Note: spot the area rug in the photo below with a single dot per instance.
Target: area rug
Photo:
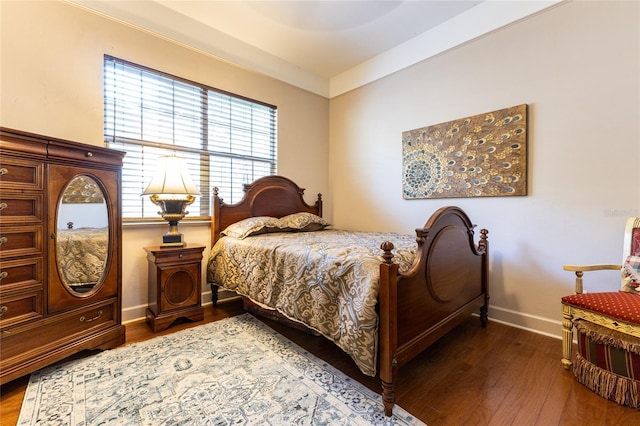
(236, 371)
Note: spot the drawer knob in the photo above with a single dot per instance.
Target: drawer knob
(3, 206)
(3, 240)
(89, 154)
(3, 310)
(83, 319)
(3, 171)
(3, 274)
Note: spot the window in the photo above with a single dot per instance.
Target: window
(226, 140)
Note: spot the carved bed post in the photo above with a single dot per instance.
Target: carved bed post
(215, 229)
(319, 204)
(388, 299)
(483, 245)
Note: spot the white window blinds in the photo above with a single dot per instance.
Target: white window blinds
(226, 140)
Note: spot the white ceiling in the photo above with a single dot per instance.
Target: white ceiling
(322, 37)
(327, 47)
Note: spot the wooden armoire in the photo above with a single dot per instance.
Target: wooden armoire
(60, 250)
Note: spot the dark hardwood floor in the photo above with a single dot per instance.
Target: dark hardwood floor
(473, 376)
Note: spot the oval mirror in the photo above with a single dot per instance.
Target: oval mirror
(82, 237)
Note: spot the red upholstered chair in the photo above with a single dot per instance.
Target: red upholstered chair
(608, 328)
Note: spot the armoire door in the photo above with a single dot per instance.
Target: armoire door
(82, 239)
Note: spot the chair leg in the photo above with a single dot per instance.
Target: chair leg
(567, 336)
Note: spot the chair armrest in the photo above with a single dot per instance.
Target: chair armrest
(580, 269)
(596, 267)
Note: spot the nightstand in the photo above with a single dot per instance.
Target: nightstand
(175, 288)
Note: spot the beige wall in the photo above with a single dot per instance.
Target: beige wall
(577, 67)
(51, 84)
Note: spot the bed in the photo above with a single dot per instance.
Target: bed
(383, 298)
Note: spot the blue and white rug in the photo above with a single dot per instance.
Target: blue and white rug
(236, 371)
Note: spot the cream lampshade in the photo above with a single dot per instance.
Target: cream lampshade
(172, 190)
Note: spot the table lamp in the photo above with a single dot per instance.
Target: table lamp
(172, 190)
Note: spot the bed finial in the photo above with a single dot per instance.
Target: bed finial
(318, 204)
(387, 246)
(482, 244)
(216, 193)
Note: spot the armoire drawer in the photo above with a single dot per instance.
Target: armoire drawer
(21, 174)
(20, 241)
(20, 208)
(17, 308)
(21, 273)
(57, 330)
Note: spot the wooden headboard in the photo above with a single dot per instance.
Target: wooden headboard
(275, 196)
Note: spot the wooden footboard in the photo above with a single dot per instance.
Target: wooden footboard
(447, 282)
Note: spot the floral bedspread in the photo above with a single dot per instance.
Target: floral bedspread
(82, 254)
(328, 280)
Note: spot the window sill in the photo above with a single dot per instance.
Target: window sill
(126, 223)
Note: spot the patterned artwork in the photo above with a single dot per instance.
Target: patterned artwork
(82, 255)
(235, 371)
(82, 189)
(480, 156)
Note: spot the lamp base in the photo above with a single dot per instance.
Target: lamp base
(172, 240)
(172, 211)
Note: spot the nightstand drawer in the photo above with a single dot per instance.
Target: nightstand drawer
(20, 241)
(171, 256)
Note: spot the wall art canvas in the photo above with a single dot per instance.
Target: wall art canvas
(82, 189)
(480, 156)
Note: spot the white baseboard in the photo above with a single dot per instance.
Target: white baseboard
(533, 323)
(138, 313)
